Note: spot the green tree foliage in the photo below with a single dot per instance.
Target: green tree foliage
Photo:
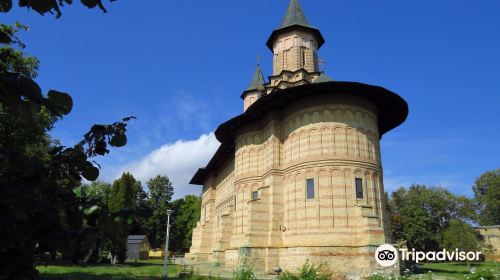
(122, 198)
(487, 198)
(185, 216)
(49, 6)
(462, 236)
(123, 193)
(426, 212)
(396, 221)
(99, 191)
(40, 208)
(160, 195)
(142, 213)
(13, 59)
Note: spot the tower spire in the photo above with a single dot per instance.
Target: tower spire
(295, 19)
(294, 15)
(254, 90)
(257, 82)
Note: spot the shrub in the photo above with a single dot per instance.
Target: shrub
(482, 274)
(376, 276)
(307, 272)
(288, 276)
(406, 275)
(244, 273)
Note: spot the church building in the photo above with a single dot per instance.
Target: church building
(298, 175)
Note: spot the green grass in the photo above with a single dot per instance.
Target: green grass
(141, 270)
(152, 270)
(458, 270)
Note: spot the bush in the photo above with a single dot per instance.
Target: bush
(482, 274)
(244, 273)
(376, 276)
(307, 272)
(288, 276)
(406, 275)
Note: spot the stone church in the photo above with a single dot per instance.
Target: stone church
(298, 175)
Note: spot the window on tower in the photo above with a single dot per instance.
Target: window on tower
(310, 188)
(255, 194)
(359, 188)
(303, 57)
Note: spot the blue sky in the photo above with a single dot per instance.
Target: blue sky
(180, 67)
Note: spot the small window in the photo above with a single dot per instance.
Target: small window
(359, 188)
(303, 58)
(255, 194)
(205, 213)
(310, 188)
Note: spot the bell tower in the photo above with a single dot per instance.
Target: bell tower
(254, 90)
(295, 47)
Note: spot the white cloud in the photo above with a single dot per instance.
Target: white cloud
(179, 161)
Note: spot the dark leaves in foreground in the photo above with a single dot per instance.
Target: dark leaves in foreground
(49, 6)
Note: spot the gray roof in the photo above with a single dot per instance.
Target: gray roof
(487, 227)
(257, 82)
(294, 15)
(295, 19)
(322, 78)
(136, 237)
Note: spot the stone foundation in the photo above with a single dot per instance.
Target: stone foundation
(346, 262)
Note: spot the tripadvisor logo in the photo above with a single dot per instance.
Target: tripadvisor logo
(386, 255)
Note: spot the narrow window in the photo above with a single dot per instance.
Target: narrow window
(205, 212)
(303, 58)
(359, 188)
(255, 194)
(310, 188)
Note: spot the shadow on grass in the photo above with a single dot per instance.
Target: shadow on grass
(88, 276)
(140, 264)
(126, 264)
(471, 264)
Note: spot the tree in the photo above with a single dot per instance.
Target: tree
(49, 6)
(185, 216)
(487, 198)
(100, 191)
(160, 195)
(426, 212)
(462, 236)
(142, 213)
(39, 179)
(122, 198)
(459, 235)
(124, 193)
(13, 59)
(396, 219)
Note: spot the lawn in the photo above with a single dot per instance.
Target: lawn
(458, 270)
(152, 270)
(143, 270)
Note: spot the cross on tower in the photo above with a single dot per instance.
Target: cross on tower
(321, 64)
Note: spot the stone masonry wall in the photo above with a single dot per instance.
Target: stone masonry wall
(258, 211)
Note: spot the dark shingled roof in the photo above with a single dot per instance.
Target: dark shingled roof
(257, 83)
(295, 19)
(294, 15)
(257, 80)
(392, 111)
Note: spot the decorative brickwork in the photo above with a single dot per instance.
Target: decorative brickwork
(299, 179)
